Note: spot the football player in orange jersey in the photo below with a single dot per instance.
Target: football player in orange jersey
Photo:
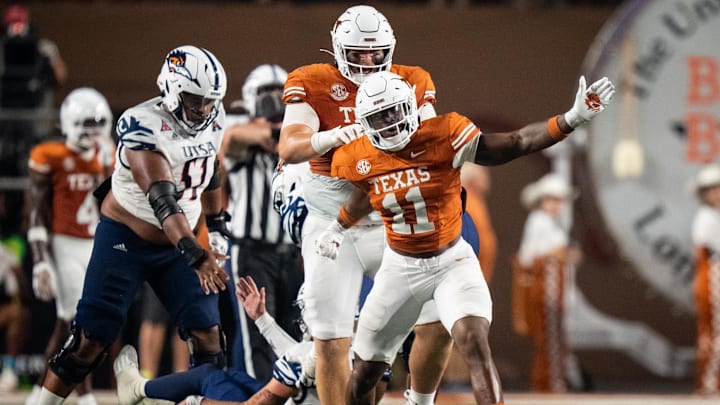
(64, 212)
(319, 117)
(706, 240)
(409, 172)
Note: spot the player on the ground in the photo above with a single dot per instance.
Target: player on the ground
(409, 172)
(165, 177)
(232, 386)
(292, 381)
(64, 213)
(319, 117)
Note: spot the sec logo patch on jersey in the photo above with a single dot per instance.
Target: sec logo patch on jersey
(339, 92)
(363, 167)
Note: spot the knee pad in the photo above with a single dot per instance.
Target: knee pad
(67, 367)
(200, 356)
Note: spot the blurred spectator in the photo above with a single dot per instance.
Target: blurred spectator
(706, 239)
(31, 68)
(260, 247)
(544, 261)
(14, 304)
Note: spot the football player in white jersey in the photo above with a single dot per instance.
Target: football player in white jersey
(165, 176)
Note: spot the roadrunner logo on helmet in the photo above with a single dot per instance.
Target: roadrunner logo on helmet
(387, 109)
(192, 82)
(362, 29)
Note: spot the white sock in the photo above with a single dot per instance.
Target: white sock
(87, 399)
(33, 397)
(421, 399)
(48, 398)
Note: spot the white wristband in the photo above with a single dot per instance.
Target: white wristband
(264, 321)
(37, 234)
(336, 226)
(574, 119)
(322, 141)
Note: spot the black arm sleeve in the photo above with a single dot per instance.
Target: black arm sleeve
(163, 199)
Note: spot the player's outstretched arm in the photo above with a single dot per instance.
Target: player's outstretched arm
(253, 300)
(498, 148)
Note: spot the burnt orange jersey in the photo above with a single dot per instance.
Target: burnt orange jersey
(416, 190)
(332, 96)
(74, 209)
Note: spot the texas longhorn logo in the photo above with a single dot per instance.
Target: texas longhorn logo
(592, 101)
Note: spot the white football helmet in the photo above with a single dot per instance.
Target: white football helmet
(189, 70)
(263, 80)
(386, 107)
(85, 117)
(362, 28)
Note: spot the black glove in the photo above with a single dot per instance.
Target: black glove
(219, 223)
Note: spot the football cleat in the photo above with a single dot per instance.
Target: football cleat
(130, 384)
(408, 401)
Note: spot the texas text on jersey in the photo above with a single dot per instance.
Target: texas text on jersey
(74, 210)
(417, 189)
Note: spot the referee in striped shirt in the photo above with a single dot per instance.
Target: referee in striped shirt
(260, 247)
